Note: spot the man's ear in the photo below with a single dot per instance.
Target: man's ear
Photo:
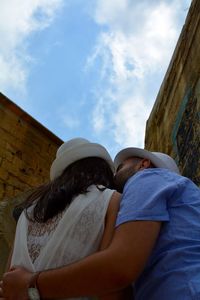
(145, 164)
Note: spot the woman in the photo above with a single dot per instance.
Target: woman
(72, 216)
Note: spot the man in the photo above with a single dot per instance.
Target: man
(156, 243)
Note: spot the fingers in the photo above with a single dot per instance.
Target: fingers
(1, 289)
(14, 268)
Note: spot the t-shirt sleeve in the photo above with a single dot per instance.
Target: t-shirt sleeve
(145, 197)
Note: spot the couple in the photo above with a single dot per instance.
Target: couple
(153, 241)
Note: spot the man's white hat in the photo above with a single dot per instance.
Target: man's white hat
(76, 149)
(158, 159)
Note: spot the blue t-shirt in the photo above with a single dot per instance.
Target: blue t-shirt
(173, 268)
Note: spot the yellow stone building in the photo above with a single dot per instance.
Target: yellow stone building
(174, 123)
(26, 152)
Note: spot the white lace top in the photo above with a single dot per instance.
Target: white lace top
(39, 235)
(66, 238)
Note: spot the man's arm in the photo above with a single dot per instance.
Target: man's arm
(104, 272)
(111, 216)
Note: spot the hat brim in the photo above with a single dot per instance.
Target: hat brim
(76, 153)
(137, 152)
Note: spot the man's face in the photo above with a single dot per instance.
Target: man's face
(128, 168)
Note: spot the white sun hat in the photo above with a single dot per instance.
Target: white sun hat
(158, 159)
(76, 149)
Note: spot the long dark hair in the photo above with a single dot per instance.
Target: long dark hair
(52, 198)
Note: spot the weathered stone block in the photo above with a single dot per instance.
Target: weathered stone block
(174, 124)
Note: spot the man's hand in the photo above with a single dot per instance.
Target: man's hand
(15, 284)
(1, 290)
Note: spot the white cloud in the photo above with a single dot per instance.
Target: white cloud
(129, 120)
(98, 116)
(18, 19)
(67, 116)
(70, 122)
(136, 47)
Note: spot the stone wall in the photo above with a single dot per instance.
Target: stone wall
(26, 152)
(174, 124)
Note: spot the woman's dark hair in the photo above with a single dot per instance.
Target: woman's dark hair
(52, 198)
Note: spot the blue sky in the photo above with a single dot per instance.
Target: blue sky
(88, 68)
